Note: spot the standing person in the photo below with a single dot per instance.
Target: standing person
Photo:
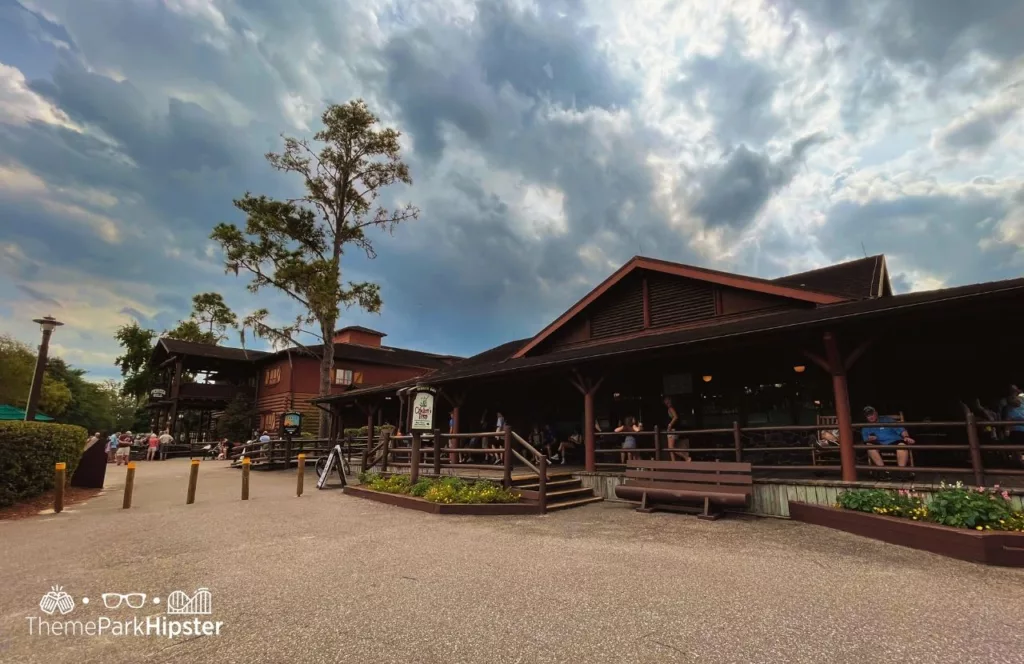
(486, 442)
(112, 445)
(264, 437)
(673, 439)
(124, 448)
(154, 447)
(629, 426)
(165, 440)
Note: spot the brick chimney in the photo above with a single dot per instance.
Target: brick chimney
(358, 336)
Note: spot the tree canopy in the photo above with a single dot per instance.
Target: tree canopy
(295, 246)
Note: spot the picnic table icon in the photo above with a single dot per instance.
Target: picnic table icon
(198, 604)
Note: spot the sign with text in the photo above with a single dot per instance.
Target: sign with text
(157, 393)
(291, 423)
(423, 410)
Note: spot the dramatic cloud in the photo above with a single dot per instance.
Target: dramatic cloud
(548, 142)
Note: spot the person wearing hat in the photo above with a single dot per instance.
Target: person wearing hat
(885, 436)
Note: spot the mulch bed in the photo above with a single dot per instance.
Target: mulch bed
(33, 506)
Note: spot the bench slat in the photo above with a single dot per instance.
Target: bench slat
(711, 479)
(721, 466)
(636, 493)
(689, 487)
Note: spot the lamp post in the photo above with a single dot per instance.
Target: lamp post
(47, 324)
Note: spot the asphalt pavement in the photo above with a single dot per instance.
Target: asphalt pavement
(330, 578)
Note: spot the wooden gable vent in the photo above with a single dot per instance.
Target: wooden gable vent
(619, 311)
(674, 300)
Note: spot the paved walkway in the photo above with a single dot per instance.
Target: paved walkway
(328, 578)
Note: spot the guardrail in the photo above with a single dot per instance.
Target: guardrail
(742, 445)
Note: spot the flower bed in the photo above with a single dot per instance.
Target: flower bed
(445, 495)
(971, 524)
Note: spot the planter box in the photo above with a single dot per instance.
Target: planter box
(991, 548)
(414, 503)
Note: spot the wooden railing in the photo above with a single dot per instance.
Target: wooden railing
(409, 450)
(741, 446)
(281, 451)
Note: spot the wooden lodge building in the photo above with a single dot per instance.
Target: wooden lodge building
(204, 379)
(742, 358)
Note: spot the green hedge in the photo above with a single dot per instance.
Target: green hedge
(361, 431)
(28, 453)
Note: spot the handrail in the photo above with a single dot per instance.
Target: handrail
(525, 461)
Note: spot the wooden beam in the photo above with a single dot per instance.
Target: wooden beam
(817, 359)
(596, 386)
(852, 358)
(168, 362)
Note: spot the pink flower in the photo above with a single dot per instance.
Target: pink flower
(995, 486)
(1006, 495)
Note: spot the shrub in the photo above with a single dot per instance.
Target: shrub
(441, 490)
(28, 452)
(961, 507)
(956, 506)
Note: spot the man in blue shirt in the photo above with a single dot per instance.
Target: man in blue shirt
(885, 436)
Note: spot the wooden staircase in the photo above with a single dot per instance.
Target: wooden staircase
(563, 490)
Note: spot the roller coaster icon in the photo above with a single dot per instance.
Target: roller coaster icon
(199, 604)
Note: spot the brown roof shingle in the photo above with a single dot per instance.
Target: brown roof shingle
(859, 278)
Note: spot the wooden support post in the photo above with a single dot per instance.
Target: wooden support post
(246, 465)
(366, 460)
(287, 451)
(414, 467)
(369, 426)
(300, 475)
(385, 450)
(438, 444)
(588, 388)
(542, 484)
(507, 478)
(737, 441)
(129, 486)
(59, 476)
(453, 457)
(972, 442)
(175, 388)
(193, 479)
(844, 419)
(657, 443)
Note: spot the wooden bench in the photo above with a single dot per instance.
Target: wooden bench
(665, 483)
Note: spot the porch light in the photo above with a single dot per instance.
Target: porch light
(706, 379)
(799, 368)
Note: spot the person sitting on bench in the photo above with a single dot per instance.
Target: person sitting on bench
(885, 436)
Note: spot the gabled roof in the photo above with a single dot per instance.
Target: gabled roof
(690, 272)
(399, 357)
(360, 328)
(861, 278)
(178, 347)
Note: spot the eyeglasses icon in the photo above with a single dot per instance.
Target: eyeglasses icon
(133, 600)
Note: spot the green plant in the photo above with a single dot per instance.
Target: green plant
(28, 454)
(961, 507)
(441, 490)
(956, 506)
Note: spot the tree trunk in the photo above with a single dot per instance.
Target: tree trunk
(326, 368)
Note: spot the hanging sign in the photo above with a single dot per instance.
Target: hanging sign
(423, 409)
(157, 393)
(291, 423)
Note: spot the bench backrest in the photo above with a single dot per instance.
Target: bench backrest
(724, 477)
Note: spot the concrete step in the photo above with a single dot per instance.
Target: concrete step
(552, 485)
(567, 495)
(574, 503)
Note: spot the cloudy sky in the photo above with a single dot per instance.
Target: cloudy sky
(549, 142)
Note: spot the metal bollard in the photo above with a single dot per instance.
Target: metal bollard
(246, 464)
(58, 484)
(129, 485)
(193, 479)
(302, 470)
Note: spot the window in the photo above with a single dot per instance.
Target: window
(272, 376)
(342, 376)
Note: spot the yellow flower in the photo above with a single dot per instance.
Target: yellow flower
(977, 528)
